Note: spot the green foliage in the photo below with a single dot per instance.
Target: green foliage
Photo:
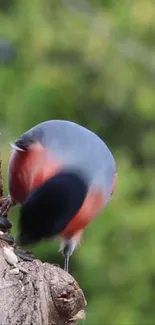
(92, 62)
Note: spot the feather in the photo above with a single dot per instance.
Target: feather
(15, 147)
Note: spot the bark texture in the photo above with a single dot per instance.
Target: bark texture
(36, 293)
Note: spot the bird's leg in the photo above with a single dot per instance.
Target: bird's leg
(67, 248)
(66, 262)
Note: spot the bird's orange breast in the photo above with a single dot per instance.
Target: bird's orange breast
(91, 207)
(28, 169)
(93, 204)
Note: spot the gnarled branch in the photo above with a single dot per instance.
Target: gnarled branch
(33, 292)
(37, 293)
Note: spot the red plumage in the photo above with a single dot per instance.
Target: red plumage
(37, 161)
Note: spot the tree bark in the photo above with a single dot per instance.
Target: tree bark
(36, 293)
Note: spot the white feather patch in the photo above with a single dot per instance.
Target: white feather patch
(71, 245)
(13, 146)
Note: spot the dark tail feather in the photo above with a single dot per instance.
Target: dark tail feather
(49, 208)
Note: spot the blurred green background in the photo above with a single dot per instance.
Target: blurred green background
(92, 62)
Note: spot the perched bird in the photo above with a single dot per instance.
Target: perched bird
(63, 175)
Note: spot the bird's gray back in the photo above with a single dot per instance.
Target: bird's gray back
(79, 148)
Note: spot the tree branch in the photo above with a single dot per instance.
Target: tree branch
(1, 179)
(33, 292)
(38, 293)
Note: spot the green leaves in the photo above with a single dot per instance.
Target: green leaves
(93, 62)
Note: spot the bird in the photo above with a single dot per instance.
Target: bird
(62, 175)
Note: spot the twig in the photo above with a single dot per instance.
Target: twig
(5, 204)
(1, 179)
